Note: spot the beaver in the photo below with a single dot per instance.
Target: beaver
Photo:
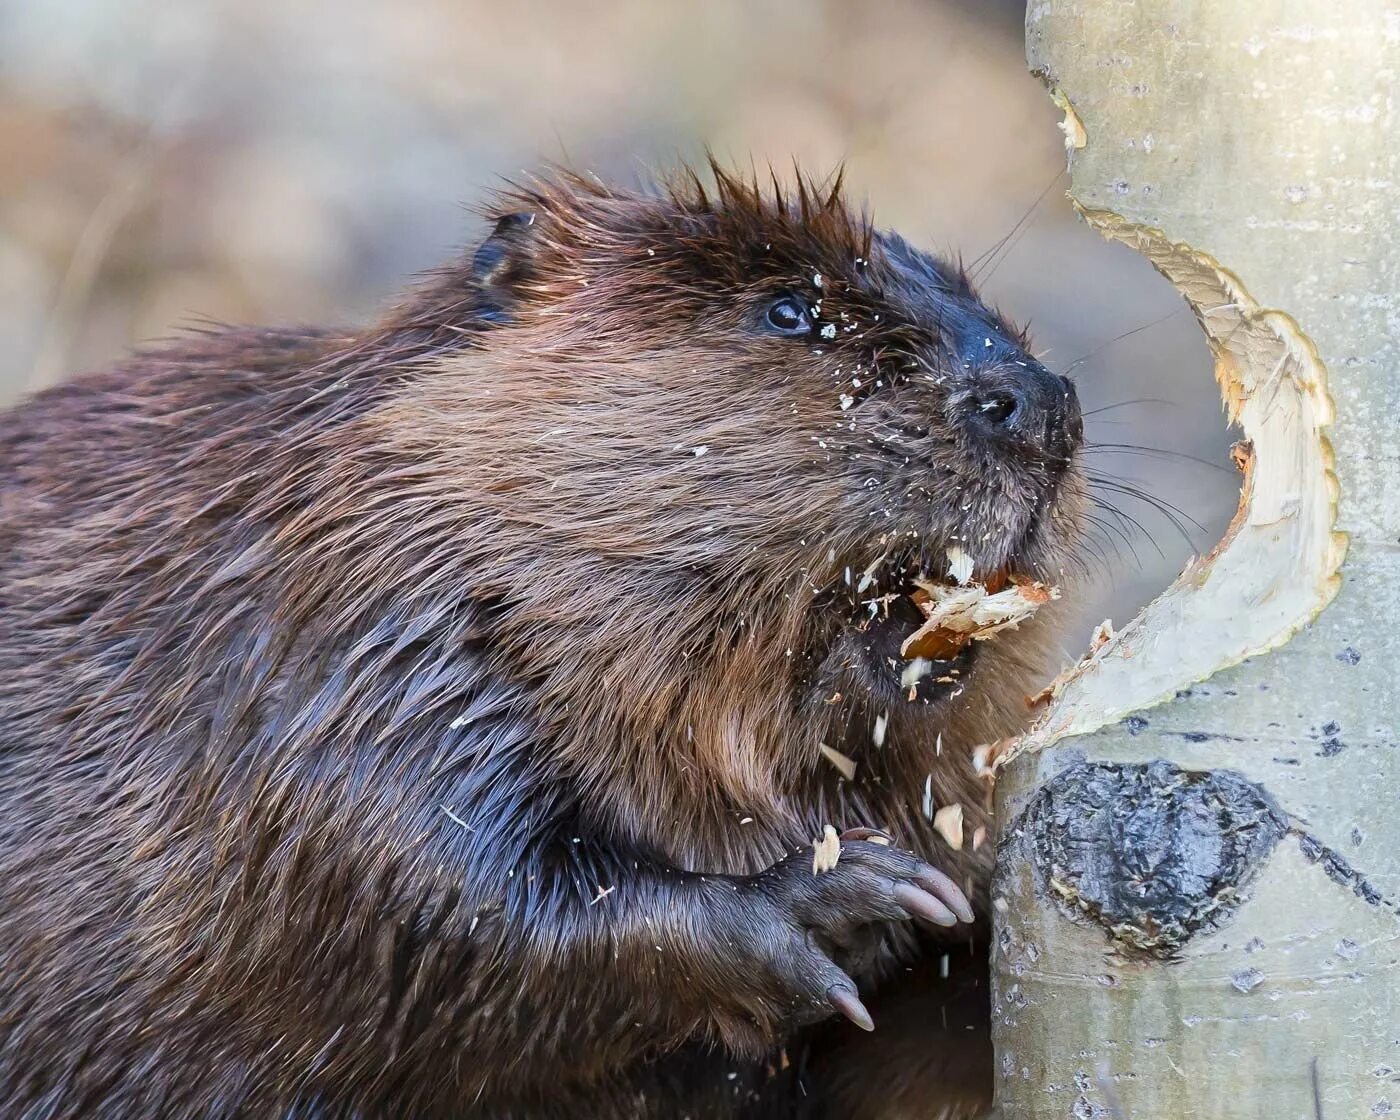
(434, 719)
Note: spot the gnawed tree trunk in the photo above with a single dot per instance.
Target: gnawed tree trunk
(1199, 868)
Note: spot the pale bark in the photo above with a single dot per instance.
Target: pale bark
(1199, 869)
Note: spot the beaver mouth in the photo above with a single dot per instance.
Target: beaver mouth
(875, 656)
(917, 636)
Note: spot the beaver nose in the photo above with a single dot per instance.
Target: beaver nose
(1027, 404)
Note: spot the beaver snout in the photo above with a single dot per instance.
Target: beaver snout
(1024, 404)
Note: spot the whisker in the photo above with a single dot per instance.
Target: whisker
(991, 253)
(1127, 519)
(1119, 533)
(1090, 544)
(1135, 491)
(1169, 512)
(1125, 404)
(1155, 452)
(1113, 341)
(1096, 532)
(1090, 557)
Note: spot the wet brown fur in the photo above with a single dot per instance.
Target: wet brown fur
(369, 700)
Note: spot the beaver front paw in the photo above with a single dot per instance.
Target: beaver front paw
(790, 925)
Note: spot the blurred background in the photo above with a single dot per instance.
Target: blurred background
(168, 161)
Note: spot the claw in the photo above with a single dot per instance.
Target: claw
(935, 882)
(921, 904)
(848, 1003)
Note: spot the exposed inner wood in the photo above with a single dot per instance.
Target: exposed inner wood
(1277, 566)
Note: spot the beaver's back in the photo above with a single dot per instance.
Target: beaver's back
(119, 492)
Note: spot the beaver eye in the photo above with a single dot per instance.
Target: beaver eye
(789, 316)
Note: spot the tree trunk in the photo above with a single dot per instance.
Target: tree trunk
(1199, 867)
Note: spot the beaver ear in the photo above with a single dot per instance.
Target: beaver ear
(501, 263)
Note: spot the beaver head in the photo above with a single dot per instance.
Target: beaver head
(729, 426)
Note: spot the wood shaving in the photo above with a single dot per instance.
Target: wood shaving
(979, 836)
(826, 851)
(877, 734)
(955, 616)
(917, 669)
(844, 763)
(1102, 635)
(959, 566)
(948, 822)
(1241, 455)
(987, 757)
(1062, 678)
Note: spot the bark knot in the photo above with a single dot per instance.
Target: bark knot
(1152, 853)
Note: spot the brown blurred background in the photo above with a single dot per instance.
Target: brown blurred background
(167, 161)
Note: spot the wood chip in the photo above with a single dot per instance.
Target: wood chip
(979, 836)
(913, 673)
(987, 757)
(1102, 635)
(1241, 455)
(955, 616)
(842, 762)
(826, 851)
(959, 566)
(948, 822)
(877, 734)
